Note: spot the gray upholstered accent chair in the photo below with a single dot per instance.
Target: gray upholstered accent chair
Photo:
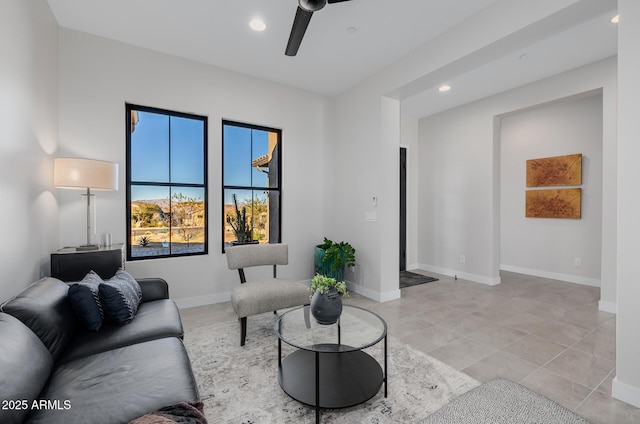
(272, 294)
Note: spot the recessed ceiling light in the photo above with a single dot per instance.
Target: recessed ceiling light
(257, 25)
(615, 19)
(444, 87)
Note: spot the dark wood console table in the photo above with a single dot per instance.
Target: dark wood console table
(67, 264)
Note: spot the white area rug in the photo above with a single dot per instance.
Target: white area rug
(239, 384)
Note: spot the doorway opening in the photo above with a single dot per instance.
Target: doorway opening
(403, 209)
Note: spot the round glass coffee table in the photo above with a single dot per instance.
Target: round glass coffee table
(330, 369)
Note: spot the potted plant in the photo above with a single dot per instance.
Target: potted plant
(331, 258)
(326, 305)
(240, 224)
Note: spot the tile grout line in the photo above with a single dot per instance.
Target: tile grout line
(563, 376)
(594, 390)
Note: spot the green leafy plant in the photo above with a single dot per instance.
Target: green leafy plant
(240, 223)
(144, 241)
(322, 284)
(341, 253)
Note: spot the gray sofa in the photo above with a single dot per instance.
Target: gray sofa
(54, 371)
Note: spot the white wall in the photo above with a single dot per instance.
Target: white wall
(542, 246)
(98, 76)
(364, 151)
(459, 186)
(355, 180)
(456, 194)
(28, 139)
(626, 385)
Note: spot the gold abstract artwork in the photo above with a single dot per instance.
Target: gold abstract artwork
(555, 171)
(557, 203)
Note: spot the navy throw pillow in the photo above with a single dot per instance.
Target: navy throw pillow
(85, 301)
(120, 296)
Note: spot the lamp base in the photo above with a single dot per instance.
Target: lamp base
(87, 247)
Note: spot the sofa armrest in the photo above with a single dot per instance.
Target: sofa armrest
(153, 289)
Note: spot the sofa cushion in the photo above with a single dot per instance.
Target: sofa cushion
(120, 297)
(26, 365)
(45, 309)
(154, 320)
(85, 301)
(120, 385)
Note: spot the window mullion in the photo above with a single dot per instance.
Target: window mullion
(170, 192)
(151, 133)
(256, 195)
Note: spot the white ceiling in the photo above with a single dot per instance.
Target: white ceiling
(217, 32)
(588, 42)
(330, 59)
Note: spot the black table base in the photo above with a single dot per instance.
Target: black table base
(344, 378)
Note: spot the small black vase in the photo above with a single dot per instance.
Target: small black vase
(326, 308)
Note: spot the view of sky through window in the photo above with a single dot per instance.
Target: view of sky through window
(166, 183)
(251, 167)
(242, 145)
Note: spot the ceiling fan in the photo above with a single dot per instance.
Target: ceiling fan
(301, 22)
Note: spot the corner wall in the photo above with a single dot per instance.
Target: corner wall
(626, 384)
(458, 187)
(28, 139)
(363, 158)
(548, 247)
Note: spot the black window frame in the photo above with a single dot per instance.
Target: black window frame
(129, 107)
(278, 131)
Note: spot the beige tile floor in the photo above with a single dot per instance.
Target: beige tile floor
(547, 335)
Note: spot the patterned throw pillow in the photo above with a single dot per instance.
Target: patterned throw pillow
(120, 296)
(85, 301)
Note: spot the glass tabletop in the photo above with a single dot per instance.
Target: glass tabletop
(356, 329)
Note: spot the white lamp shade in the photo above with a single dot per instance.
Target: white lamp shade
(81, 174)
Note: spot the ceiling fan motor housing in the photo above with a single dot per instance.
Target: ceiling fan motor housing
(312, 5)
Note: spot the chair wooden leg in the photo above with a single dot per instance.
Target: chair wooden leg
(243, 330)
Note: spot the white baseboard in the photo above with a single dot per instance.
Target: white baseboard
(191, 302)
(372, 294)
(413, 266)
(490, 281)
(625, 392)
(389, 295)
(593, 282)
(608, 307)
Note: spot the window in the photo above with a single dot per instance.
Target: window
(166, 183)
(251, 178)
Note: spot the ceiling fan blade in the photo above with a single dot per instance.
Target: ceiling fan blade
(300, 24)
(336, 1)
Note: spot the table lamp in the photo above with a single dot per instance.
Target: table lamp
(85, 174)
